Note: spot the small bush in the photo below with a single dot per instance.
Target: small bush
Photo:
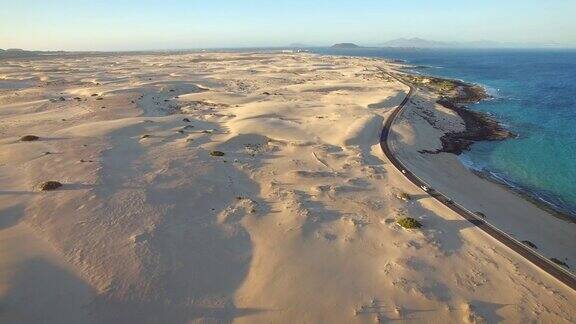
(49, 185)
(217, 153)
(409, 223)
(29, 138)
(145, 136)
(403, 196)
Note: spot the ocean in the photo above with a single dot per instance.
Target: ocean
(534, 95)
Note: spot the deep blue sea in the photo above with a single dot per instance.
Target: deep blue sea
(534, 96)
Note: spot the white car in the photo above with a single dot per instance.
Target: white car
(424, 188)
(403, 171)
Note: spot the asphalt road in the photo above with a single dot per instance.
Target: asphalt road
(528, 253)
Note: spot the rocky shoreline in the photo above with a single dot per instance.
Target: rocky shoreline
(455, 95)
(478, 127)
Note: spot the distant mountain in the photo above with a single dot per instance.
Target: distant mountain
(17, 52)
(345, 45)
(416, 42)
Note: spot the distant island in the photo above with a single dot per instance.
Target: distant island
(425, 43)
(16, 52)
(345, 45)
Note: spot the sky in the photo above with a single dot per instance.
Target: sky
(173, 24)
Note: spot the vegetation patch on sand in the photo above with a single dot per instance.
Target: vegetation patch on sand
(403, 196)
(49, 185)
(409, 223)
(217, 153)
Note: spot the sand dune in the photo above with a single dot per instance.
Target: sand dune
(295, 222)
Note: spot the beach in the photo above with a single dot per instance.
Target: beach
(432, 116)
(250, 187)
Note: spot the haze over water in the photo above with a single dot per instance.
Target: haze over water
(534, 96)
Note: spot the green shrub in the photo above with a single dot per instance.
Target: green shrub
(49, 185)
(409, 223)
(403, 196)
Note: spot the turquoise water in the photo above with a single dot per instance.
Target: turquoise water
(534, 96)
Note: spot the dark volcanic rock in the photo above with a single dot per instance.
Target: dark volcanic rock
(478, 126)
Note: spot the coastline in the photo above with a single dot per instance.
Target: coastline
(527, 195)
(456, 95)
(421, 143)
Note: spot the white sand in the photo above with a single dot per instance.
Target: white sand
(294, 224)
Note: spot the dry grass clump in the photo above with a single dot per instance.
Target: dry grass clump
(49, 185)
(409, 223)
(29, 138)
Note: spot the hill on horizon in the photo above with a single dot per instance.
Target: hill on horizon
(345, 45)
(416, 42)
